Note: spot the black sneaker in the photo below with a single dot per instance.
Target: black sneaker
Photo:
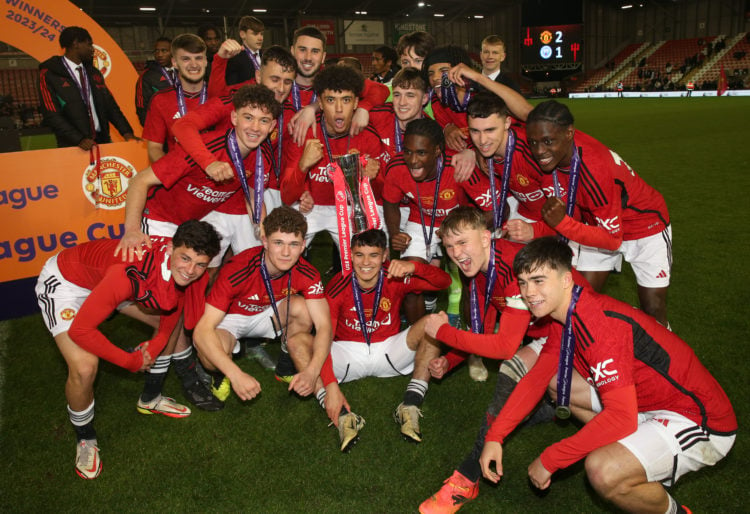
(199, 395)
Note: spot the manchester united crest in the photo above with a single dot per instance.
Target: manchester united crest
(447, 194)
(522, 180)
(107, 185)
(102, 60)
(385, 304)
(67, 314)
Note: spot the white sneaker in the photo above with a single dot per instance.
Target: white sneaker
(477, 371)
(88, 463)
(163, 405)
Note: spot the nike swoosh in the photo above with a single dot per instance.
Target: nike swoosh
(95, 464)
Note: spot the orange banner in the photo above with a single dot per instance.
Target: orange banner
(54, 199)
(34, 27)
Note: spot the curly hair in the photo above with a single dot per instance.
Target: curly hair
(339, 78)
(256, 95)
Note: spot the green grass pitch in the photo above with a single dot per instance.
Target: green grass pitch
(276, 454)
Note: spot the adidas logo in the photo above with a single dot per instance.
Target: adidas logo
(662, 274)
(254, 297)
(176, 116)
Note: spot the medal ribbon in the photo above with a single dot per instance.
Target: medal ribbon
(498, 206)
(279, 145)
(477, 318)
(570, 205)
(565, 366)
(269, 289)
(359, 304)
(297, 99)
(428, 237)
(181, 106)
(256, 200)
(449, 96)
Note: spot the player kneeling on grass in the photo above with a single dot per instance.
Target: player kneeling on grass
(367, 342)
(265, 291)
(81, 286)
(653, 411)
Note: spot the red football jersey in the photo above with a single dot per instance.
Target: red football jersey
(387, 322)
(239, 288)
(524, 182)
(163, 111)
(399, 184)
(383, 120)
(618, 347)
(294, 182)
(186, 191)
(610, 195)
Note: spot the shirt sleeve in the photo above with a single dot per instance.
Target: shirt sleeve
(524, 397)
(589, 235)
(114, 289)
(427, 277)
(292, 178)
(618, 418)
(217, 81)
(373, 94)
(188, 128)
(503, 345)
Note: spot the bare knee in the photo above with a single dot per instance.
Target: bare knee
(82, 373)
(606, 475)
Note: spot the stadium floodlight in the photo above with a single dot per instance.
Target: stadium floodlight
(147, 9)
(627, 6)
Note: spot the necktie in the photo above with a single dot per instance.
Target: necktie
(86, 98)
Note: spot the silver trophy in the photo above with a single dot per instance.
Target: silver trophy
(352, 169)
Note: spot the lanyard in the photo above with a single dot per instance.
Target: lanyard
(169, 75)
(498, 207)
(269, 289)
(253, 58)
(570, 204)
(450, 97)
(279, 145)
(359, 304)
(239, 167)
(428, 237)
(565, 366)
(297, 100)
(328, 143)
(181, 105)
(477, 318)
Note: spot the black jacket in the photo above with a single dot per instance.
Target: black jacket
(151, 81)
(239, 68)
(64, 110)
